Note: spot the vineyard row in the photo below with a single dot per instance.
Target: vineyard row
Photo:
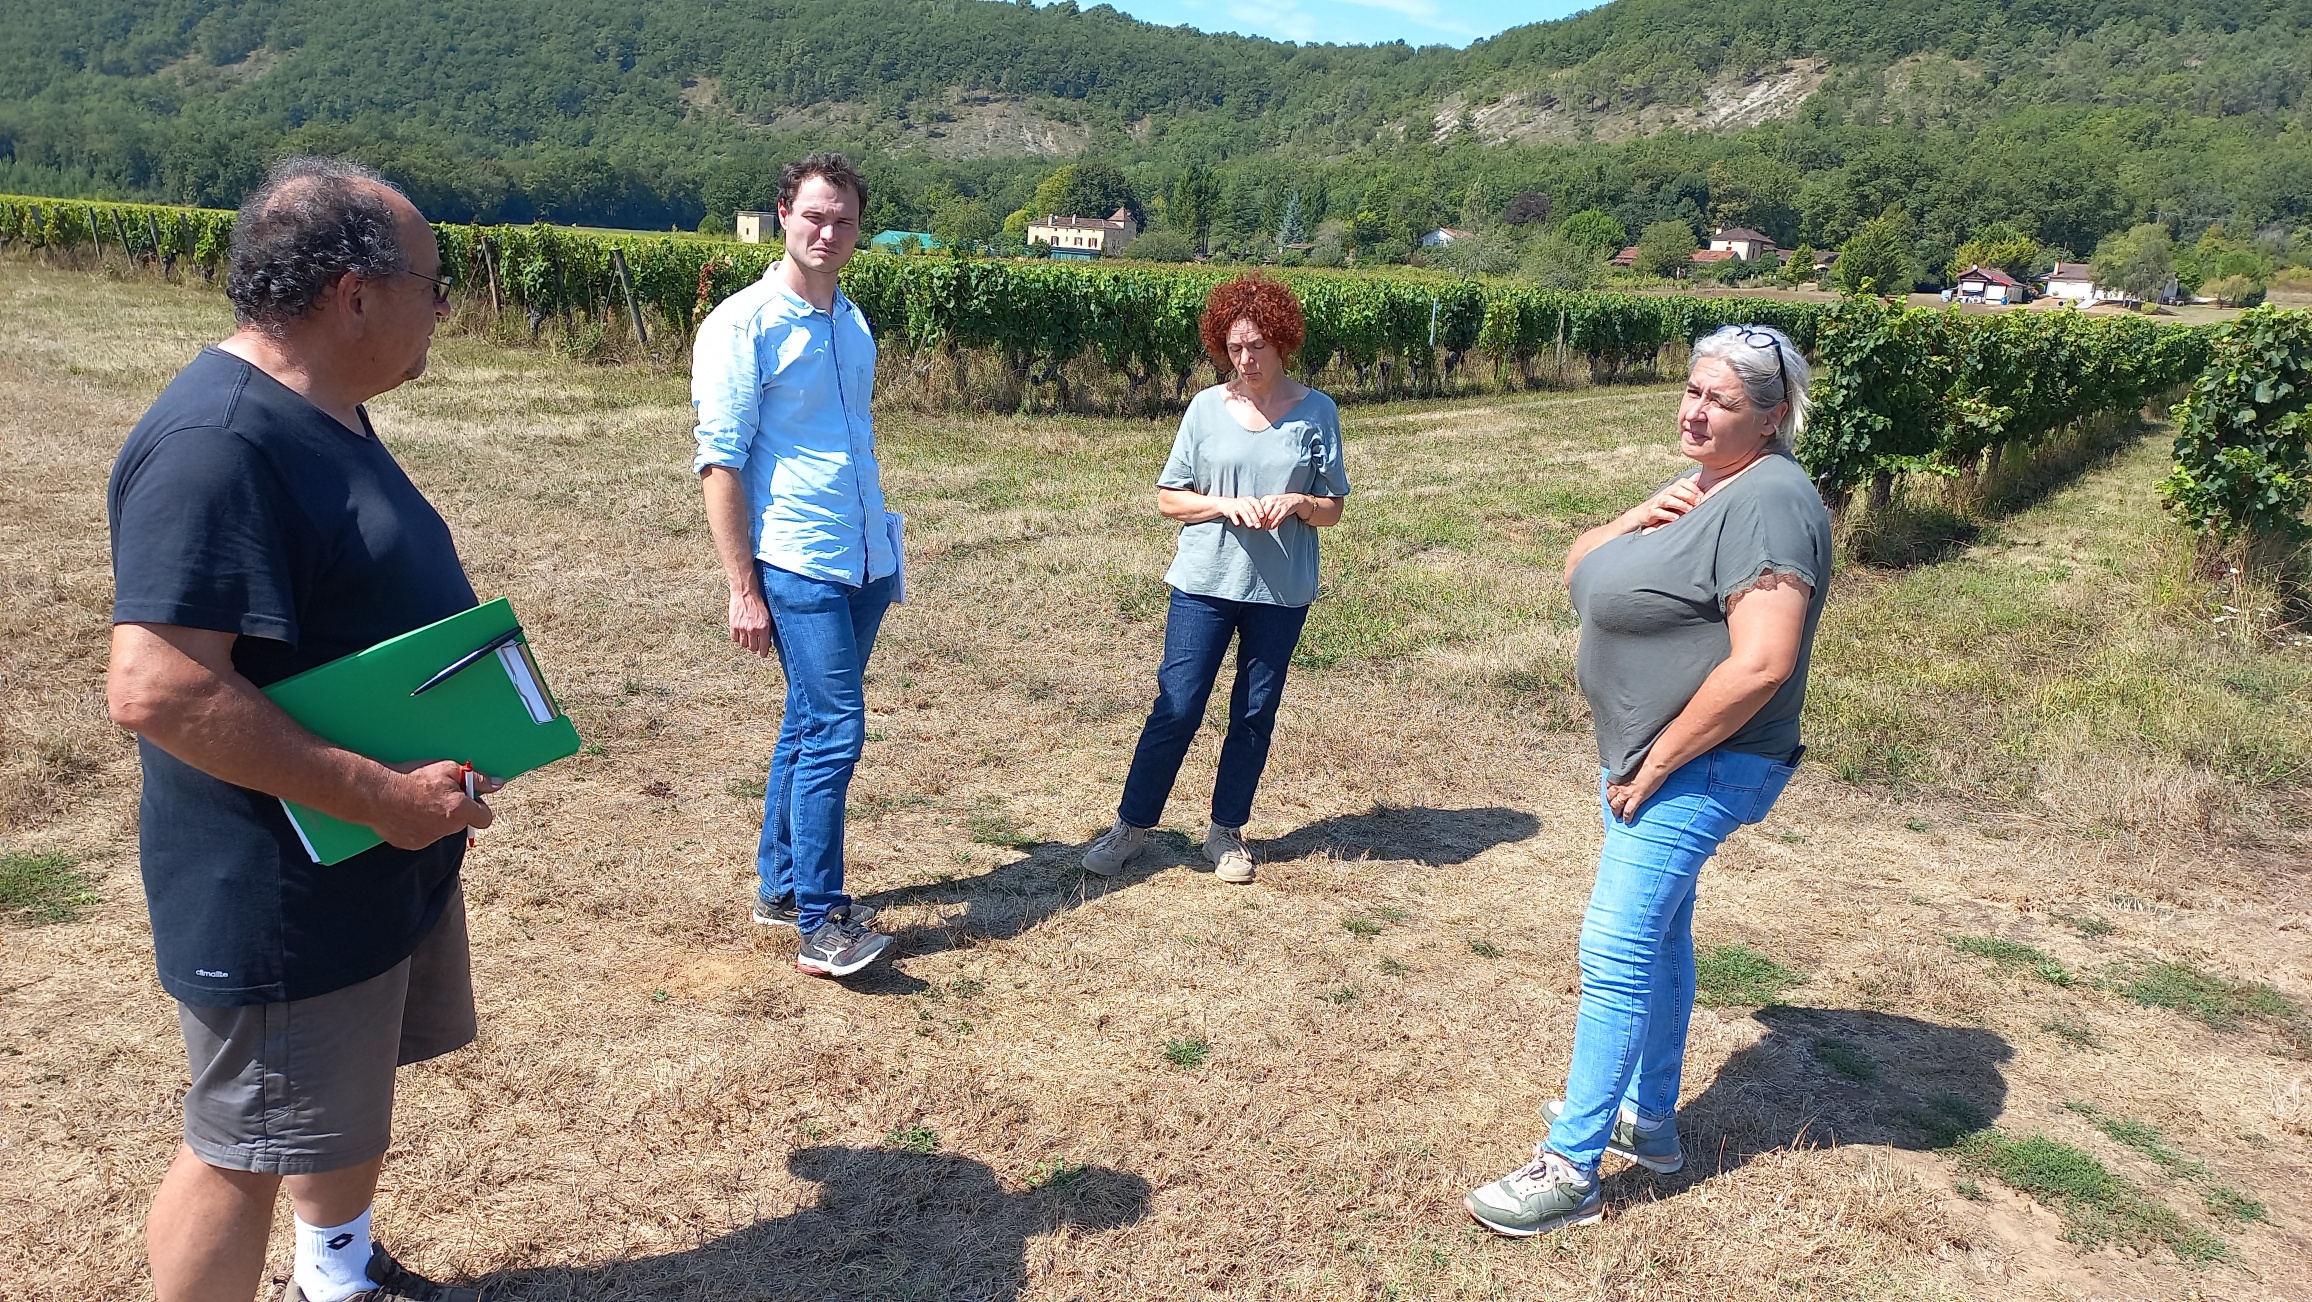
(1897, 390)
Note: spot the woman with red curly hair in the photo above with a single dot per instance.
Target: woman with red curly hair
(1255, 472)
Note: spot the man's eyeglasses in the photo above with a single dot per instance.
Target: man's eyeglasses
(441, 288)
(1761, 339)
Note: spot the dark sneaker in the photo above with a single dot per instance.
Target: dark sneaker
(841, 946)
(397, 1283)
(783, 912)
(1543, 1195)
(1656, 1150)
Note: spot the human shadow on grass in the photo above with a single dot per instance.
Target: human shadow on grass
(1433, 838)
(888, 1223)
(1006, 900)
(1834, 1076)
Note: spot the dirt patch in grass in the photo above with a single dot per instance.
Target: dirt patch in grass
(2033, 728)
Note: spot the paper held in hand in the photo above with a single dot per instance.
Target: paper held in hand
(465, 689)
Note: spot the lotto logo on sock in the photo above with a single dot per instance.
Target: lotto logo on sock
(338, 1244)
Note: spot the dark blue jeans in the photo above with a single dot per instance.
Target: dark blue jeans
(824, 632)
(1197, 631)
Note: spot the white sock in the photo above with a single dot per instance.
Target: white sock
(333, 1261)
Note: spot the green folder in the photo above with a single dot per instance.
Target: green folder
(495, 713)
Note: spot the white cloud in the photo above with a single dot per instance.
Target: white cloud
(1288, 21)
(1425, 12)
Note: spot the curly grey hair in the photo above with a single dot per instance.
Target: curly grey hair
(1771, 369)
(313, 220)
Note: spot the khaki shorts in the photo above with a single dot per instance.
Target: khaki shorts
(307, 1086)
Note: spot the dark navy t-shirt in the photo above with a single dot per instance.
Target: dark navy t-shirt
(238, 506)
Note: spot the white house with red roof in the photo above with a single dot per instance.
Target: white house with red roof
(1980, 284)
(1742, 242)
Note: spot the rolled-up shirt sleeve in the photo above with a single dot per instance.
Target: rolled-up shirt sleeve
(726, 388)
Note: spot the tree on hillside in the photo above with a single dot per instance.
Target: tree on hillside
(1665, 248)
(1559, 261)
(1998, 245)
(1528, 209)
(1086, 189)
(1195, 201)
(1596, 228)
(2138, 262)
(1877, 259)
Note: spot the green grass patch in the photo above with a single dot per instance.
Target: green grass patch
(1391, 967)
(1484, 949)
(41, 888)
(1000, 830)
(2009, 953)
(2089, 926)
(1342, 996)
(1736, 975)
(1360, 924)
(1847, 1059)
(1187, 1052)
(2228, 1204)
(2074, 1031)
(2222, 1201)
(916, 1138)
(2096, 1205)
(1055, 1173)
(2220, 1003)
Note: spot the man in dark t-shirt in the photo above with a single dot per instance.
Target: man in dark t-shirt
(259, 528)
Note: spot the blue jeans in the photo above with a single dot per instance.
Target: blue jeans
(1197, 631)
(1637, 946)
(823, 632)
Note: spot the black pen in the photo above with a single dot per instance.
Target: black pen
(513, 634)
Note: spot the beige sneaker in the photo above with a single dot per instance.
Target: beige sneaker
(1224, 846)
(1117, 846)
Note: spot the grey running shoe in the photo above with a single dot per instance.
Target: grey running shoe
(397, 1283)
(1225, 847)
(842, 945)
(783, 912)
(1117, 846)
(1656, 1150)
(1543, 1195)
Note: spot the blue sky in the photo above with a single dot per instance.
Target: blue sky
(1416, 22)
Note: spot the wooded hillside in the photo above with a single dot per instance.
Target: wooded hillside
(2071, 119)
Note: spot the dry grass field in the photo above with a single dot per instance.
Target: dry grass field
(2007, 1000)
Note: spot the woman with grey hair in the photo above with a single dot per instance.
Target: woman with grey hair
(1698, 608)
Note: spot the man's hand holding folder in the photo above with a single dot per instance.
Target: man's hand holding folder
(177, 687)
(442, 797)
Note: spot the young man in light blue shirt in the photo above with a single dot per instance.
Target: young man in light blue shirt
(780, 375)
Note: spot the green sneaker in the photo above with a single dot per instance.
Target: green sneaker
(1543, 1195)
(1655, 1150)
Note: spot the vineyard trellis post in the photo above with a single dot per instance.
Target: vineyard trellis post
(626, 287)
(153, 229)
(490, 270)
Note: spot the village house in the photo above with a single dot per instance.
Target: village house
(756, 227)
(1979, 284)
(1442, 236)
(2074, 283)
(1742, 242)
(1085, 237)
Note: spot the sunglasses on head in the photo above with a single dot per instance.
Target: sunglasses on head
(1761, 339)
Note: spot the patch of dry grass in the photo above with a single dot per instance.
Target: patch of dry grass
(659, 1107)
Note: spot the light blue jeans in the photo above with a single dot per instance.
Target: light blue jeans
(1637, 946)
(824, 633)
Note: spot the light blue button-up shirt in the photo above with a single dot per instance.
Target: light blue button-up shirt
(781, 390)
